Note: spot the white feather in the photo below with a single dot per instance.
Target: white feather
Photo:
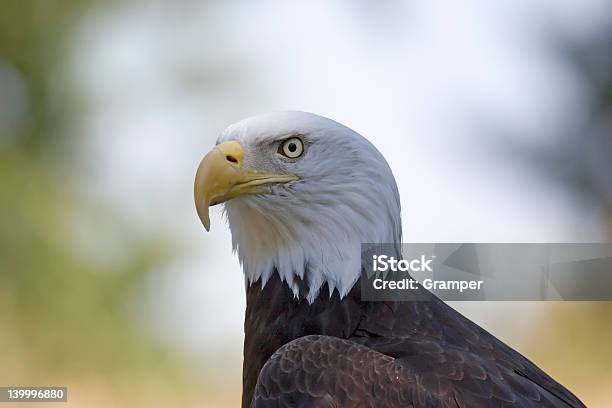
(312, 228)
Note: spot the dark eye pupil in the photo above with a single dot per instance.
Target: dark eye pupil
(292, 147)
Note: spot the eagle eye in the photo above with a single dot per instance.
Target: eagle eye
(292, 147)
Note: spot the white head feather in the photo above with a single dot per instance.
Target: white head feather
(312, 228)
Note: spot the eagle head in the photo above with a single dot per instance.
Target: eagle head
(301, 194)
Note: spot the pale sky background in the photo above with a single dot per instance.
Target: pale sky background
(415, 78)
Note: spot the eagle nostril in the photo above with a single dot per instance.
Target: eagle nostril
(231, 158)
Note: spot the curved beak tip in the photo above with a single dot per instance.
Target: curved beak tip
(203, 214)
(206, 223)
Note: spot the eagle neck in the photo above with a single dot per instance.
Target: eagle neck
(274, 317)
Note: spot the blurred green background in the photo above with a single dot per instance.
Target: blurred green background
(108, 284)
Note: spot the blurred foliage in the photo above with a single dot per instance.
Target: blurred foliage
(582, 164)
(64, 311)
(60, 312)
(589, 150)
(72, 270)
(33, 35)
(581, 330)
(581, 161)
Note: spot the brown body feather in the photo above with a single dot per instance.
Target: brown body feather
(348, 353)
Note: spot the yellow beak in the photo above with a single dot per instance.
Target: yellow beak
(221, 176)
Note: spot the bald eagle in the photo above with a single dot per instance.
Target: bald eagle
(301, 193)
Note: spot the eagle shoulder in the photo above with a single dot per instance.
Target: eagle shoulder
(326, 371)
